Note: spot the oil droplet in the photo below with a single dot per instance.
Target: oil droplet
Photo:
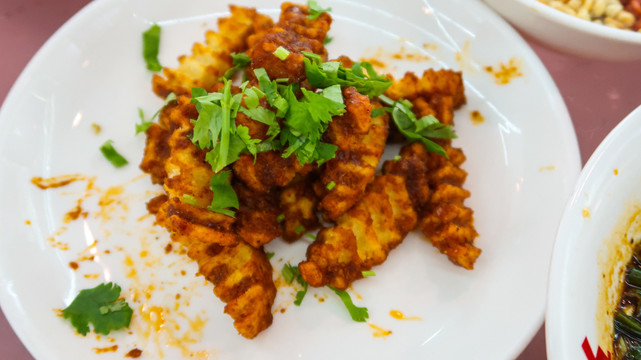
(379, 331)
(96, 128)
(505, 72)
(73, 265)
(400, 316)
(28, 222)
(134, 353)
(547, 168)
(106, 349)
(154, 316)
(477, 117)
(585, 213)
(616, 171)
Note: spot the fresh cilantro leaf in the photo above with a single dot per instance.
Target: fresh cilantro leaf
(377, 112)
(150, 46)
(146, 123)
(224, 194)
(323, 74)
(291, 273)
(240, 61)
(368, 273)
(270, 89)
(359, 314)
(112, 155)
(327, 40)
(315, 10)
(101, 307)
(281, 53)
(418, 129)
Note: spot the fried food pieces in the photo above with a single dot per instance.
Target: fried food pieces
(435, 182)
(362, 237)
(361, 142)
(279, 196)
(242, 278)
(210, 60)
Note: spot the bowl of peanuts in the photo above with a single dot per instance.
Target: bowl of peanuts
(596, 29)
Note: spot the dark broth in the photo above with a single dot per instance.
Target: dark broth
(627, 315)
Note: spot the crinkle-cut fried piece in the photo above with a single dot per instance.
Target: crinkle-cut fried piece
(363, 237)
(357, 156)
(413, 169)
(242, 278)
(298, 205)
(270, 170)
(256, 219)
(437, 92)
(443, 218)
(211, 59)
(295, 33)
(175, 114)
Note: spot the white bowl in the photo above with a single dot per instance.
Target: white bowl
(569, 34)
(593, 245)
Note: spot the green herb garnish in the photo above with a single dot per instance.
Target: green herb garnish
(240, 61)
(101, 307)
(359, 314)
(112, 155)
(281, 53)
(418, 129)
(315, 10)
(189, 199)
(150, 46)
(330, 185)
(324, 74)
(291, 273)
(146, 123)
(368, 273)
(224, 194)
(280, 218)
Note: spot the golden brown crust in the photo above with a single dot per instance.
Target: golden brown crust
(256, 219)
(363, 236)
(242, 278)
(361, 142)
(211, 59)
(269, 170)
(298, 208)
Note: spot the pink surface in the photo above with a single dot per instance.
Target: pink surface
(597, 94)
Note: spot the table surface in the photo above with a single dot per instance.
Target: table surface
(598, 95)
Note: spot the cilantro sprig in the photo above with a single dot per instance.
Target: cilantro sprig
(323, 74)
(150, 47)
(224, 194)
(146, 123)
(240, 61)
(415, 129)
(101, 307)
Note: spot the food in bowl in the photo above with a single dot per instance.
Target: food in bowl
(626, 342)
(620, 14)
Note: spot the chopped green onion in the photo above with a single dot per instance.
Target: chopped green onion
(112, 155)
(269, 255)
(368, 273)
(291, 273)
(299, 229)
(330, 185)
(280, 218)
(311, 236)
(397, 157)
(315, 10)
(189, 199)
(281, 53)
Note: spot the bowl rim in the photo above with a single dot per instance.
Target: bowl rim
(599, 30)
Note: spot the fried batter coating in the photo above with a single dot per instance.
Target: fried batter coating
(269, 170)
(256, 219)
(361, 142)
(211, 59)
(442, 216)
(363, 236)
(298, 205)
(296, 33)
(242, 278)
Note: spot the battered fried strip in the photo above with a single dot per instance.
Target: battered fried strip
(298, 208)
(211, 59)
(442, 216)
(362, 237)
(296, 33)
(256, 219)
(361, 142)
(242, 278)
(269, 170)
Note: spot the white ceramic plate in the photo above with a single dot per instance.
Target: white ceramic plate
(592, 247)
(522, 161)
(569, 34)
